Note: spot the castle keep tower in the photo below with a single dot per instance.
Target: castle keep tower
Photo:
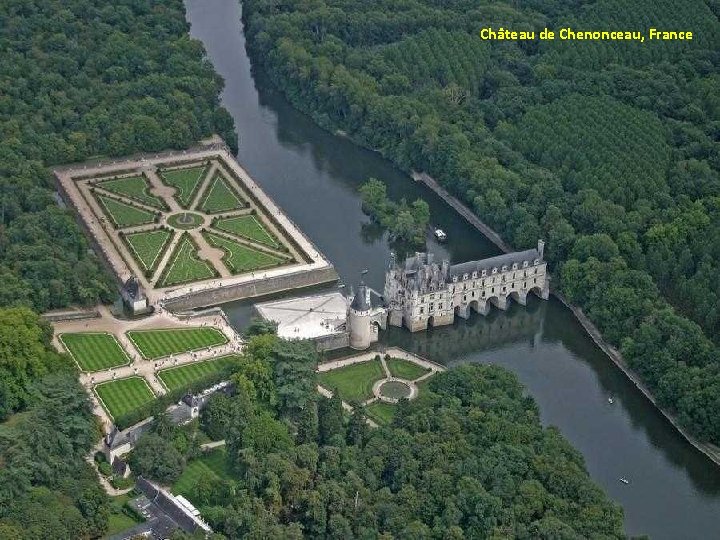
(364, 320)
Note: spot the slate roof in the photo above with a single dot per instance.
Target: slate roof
(360, 302)
(507, 259)
(132, 289)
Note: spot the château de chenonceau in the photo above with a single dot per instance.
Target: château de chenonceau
(420, 292)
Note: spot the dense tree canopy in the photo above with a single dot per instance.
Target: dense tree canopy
(468, 459)
(79, 79)
(607, 150)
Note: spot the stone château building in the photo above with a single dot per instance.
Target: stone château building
(421, 293)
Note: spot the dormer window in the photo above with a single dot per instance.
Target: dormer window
(536, 262)
(474, 274)
(465, 276)
(454, 279)
(494, 270)
(484, 273)
(504, 268)
(525, 263)
(514, 266)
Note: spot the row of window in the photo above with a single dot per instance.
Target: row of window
(474, 275)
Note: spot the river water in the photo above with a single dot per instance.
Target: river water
(674, 491)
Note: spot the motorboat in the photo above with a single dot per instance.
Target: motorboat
(624, 480)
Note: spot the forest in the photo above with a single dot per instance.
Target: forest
(79, 79)
(405, 222)
(468, 459)
(84, 79)
(607, 150)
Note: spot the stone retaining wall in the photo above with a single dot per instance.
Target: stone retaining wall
(252, 289)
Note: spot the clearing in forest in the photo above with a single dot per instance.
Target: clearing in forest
(381, 412)
(148, 246)
(124, 396)
(213, 465)
(240, 258)
(154, 344)
(220, 197)
(185, 265)
(124, 215)
(248, 227)
(186, 182)
(185, 376)
(94, 351)
(133, 187)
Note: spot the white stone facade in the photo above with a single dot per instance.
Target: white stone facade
(420, 293)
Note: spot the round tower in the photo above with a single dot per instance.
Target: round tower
(358, 319)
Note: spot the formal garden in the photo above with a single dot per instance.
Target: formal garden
(148, 246)
(178, 377)
(94, 351)
(376, 383)
(155, 344)
(198, 211)
(123, 396)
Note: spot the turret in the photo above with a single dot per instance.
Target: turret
(359, 324)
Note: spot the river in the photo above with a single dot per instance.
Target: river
(674, 491)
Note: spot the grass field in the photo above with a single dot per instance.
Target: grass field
(183, 376)
(185, 181)
(124, 215)
(381, 412)
(95, 351)
(213, 464)
(148, 246)
(118, 520)
(248, 227)
(133, 187)
(220, 197)
(353, 382)
(404, 369)
(239, 258)
(124, 395)
(185, 266)
(154, 344)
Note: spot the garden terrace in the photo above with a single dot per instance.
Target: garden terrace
(154, 344)
(94, 351)
(187, 224)
(123, 396)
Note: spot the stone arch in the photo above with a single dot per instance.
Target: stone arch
(474, 306)
(499, 302)
(431, 320)
(519, 296)
(539, 291)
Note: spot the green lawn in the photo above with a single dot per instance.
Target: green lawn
(240, 258)
(123, 396)
(248, 227)
(353, 382)
(185, 265)
(404, 369)
(213, 464)
(154, 344)
(185, 181)
(95, 351)
(220, 197)
(124, 215)
(133, 187)
(382, 413)
(118, 520)
(148, 246)
(183, 376)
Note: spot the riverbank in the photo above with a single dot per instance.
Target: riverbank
(711, 451)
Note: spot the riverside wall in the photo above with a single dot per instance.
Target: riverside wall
(711, 451)
(252, 289)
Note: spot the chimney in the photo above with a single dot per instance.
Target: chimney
(541, 248)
